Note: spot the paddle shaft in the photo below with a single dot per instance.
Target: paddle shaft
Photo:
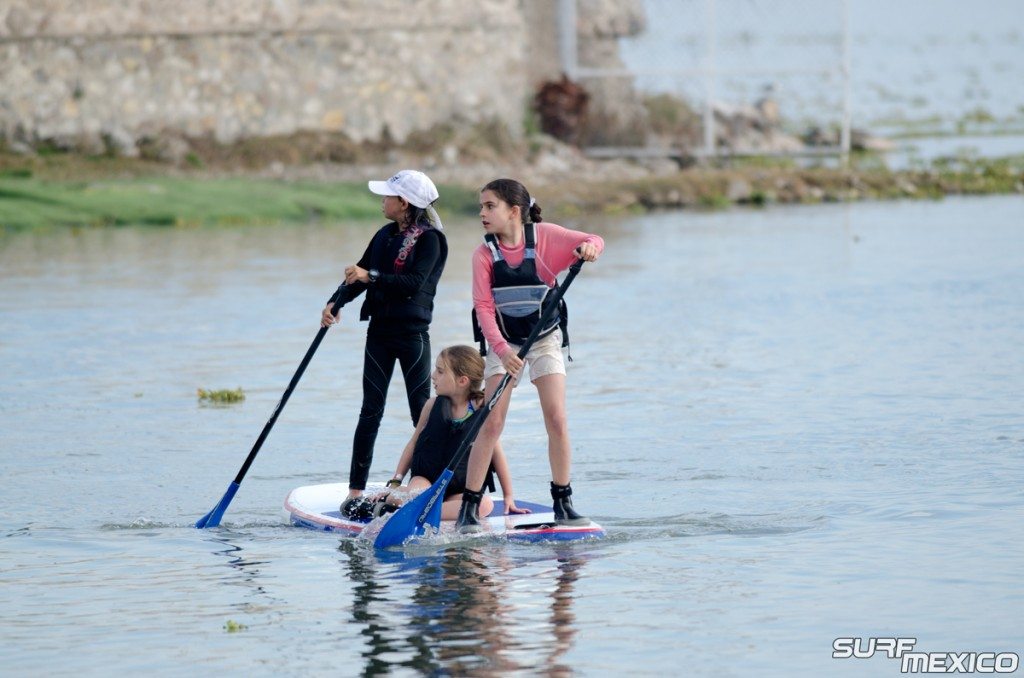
(335, 298)
(212, 519)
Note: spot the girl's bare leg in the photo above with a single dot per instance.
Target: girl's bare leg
(483, 448)
(551, 389)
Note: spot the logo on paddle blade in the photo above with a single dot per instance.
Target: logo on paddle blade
(438, 492)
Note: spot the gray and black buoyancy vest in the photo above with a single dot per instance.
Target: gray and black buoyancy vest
(520, 296)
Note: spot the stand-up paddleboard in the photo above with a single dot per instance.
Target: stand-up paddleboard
(316, 507)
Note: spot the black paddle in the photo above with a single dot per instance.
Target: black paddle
(425, 508)
(212, 519)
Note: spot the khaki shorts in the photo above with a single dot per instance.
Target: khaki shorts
(544, 358)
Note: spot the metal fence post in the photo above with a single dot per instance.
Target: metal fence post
(844, 136)
(567, 47)
(709, 80)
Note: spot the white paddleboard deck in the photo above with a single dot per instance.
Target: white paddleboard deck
(316, 507)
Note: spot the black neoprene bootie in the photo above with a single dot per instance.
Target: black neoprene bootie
(357, 508)
(564, 512)
(381, 507)
(469, 518)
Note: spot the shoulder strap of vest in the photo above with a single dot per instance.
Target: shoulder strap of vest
(528, 233)
(443, 405)
(491, 241)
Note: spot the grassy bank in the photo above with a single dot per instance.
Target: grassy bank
(30, 202)
(27, 203)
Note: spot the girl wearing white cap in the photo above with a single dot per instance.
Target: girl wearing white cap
(399, 272)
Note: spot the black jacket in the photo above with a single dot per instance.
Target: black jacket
(402, 300)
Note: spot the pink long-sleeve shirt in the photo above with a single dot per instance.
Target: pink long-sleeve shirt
(555, 246)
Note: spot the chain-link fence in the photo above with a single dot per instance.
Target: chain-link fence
(719, 78)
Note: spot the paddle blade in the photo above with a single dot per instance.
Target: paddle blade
(412, 518)
(212, 519)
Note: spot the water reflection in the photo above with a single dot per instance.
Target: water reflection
(468, 610)
(563, 619)
(245, 571)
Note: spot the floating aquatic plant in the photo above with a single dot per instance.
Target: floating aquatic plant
(231, 626)
(221, 396)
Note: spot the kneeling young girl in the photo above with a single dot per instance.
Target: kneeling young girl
(442, 427)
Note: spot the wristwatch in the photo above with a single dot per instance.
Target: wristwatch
(373, 274)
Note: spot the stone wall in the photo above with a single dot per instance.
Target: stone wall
(616, 117)
(106, 73)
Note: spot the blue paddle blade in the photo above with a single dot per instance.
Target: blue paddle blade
(411, 520)
(212, 519)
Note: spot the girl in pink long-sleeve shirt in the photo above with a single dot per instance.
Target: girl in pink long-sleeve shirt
(509, 280)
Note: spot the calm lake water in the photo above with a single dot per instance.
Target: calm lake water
(796, 424)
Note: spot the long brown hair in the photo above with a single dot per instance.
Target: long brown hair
(515, 195)
(465, 361)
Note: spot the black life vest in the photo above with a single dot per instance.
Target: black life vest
(520, 296)
(437, 444)
(380, 302)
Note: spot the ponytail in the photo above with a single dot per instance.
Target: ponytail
(416, 216)
(534, 211)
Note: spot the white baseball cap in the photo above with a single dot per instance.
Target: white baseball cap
(415, 187)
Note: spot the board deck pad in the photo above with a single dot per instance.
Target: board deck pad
(316, 507)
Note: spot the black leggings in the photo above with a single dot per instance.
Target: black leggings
(412, 351)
